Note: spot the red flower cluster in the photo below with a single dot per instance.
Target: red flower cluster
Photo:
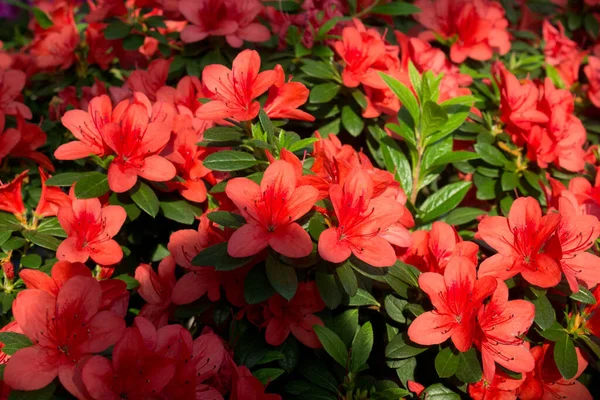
(541, 117)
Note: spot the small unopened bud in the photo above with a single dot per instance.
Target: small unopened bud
(9, 270)
(105, 273)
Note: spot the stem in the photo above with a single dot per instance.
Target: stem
(417, 167)
(416, 174)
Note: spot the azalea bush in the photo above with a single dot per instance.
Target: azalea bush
(300, 199)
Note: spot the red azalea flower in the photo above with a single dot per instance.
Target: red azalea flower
(187, 157)
(137, 141)
(545, 381)
(362, 220)
(574, 235)
(51, 199)
(65, 330)
(432, 250)
(148, 82)
(235, 89)
(156, 290)
(12, 82)
(296, 316)
(360, 49)
(87, 127)
(502, 323)
(54, 47)
(456, 297)
(90, 229)
(233, 19)
(502, 387)
(61, 272)
(8, 138)
(476, 28)
(271, 210)
(101, 50)
(246, 386)
(561, 52)
(136, 371)
(521, 241)
(518, 103)
(184, 245)
(11, 198)
(31, 137)
(592, 72)
(285, 98)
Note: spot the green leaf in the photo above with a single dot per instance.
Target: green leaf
(455, 156)
(583, 296)
(4, 236)
(361, 347)
(13, 243)
(469, 368)
(363, 298)
(544, 312)
(397, 163)
(39, 239)
(463, 215)
(396, 8)
(318, 374)
(401, 347)
(155, 21)
(591, 25)
(131, 282)
(31, 261)
(42, 18)
(438, 391)
(302, 144)
(146, 199)
(40, 394)
(226, 219)
(9, 222)
(320, 69)
(509, 180)
(554, 333)
(256, 286)
(133, 42)
(406, 96)
(406, 273)
(491, 155)
(65, 179)
(565, 357)
(446, 363)
(329, 290)
(117, 30)
(230, 160)
(267, 126)
(434, 117)
(360, 98)
(217, 256)
(51, 226)
(415, 79)
(179, 211)
(91, 186)
(323, 93)
(394, 307)
(351, 121)
(346, 325)
(405, 369)
(267, 375)
(221, 134)
(13, 342)
(332, 344)
(282, 277)
(443, 200)
(347, 279)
